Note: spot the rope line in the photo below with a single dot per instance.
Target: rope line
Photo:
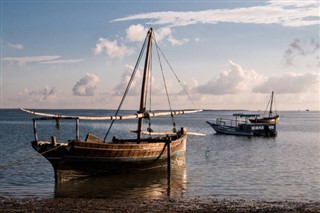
(150, 96)
(275, 105)
(9, 165)
(128, 86)
(265, 111)
(165, 86)
(176, 76)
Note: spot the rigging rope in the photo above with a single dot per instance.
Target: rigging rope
(184, 89)
(265, 111)
(128, 86)
(9, 165)
(275, 105)
(149, 129)
(165, 86)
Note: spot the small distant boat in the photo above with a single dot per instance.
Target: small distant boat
(243, 127)
(272, 118)
(95, 155)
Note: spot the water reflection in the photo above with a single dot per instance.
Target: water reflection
(149, 184)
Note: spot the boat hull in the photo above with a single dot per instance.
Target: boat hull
(258, 129)
(229, 130)
(270, 120)
(84, 158)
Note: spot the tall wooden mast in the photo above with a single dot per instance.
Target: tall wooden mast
(146, 74)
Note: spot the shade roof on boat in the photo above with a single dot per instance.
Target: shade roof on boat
(245, 115)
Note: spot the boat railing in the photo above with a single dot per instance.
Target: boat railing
(57, 119)
(229, 122)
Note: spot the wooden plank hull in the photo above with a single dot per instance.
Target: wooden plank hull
(83, 158)
(270, 120)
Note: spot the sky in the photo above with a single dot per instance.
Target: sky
(226, 54)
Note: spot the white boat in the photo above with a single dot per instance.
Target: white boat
(242, 127)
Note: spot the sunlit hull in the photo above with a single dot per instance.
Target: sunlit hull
(83, 158)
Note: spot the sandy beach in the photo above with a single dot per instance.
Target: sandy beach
(153, 205)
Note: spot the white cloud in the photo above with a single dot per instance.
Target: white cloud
(135, 87)
(162, 33)
(41, 95)
(291, 84)
(174, 41)
(302, 48)
(233, 80)
(16, 46)
(236, 80)
(30, 59)
(111, 48)
(294, 4)
(166, 33)
(86, 86)
(136, 33)
(46, 59)
(62, 61)
(285, 13)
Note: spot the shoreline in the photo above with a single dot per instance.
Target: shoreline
(167, 204)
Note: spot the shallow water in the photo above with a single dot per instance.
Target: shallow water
(286, 167)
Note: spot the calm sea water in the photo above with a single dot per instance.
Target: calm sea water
(286, 167)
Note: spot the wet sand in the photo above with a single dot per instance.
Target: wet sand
(153, 205)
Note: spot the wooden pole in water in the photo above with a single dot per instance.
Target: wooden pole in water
(168, 165)
(53, 140)
(77, 129)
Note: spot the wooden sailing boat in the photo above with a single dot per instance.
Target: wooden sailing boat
(272, 118)
(95, 155)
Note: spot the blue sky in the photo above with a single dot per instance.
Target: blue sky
(227, 54)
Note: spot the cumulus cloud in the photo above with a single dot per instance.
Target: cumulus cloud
(166, 33)
(41, 95)
(174, 41)
(285, 13)
(162, 33)
(236, 80)
(135, 87)
(301, 48)
(188, 88)
(291, 83)
(233, 80)
(86, 86)
(45, 59)
(111, 48)
(136, 32)
(16, 46)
